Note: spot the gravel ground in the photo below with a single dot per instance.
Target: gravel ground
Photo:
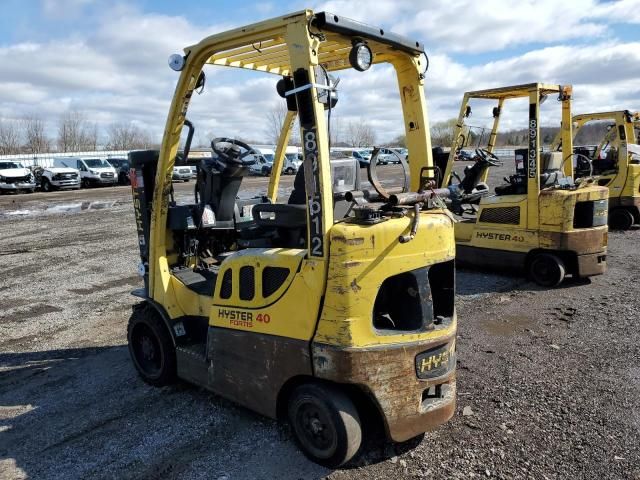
(549, 381)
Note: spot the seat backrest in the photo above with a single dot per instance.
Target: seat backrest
(551, 161)
(219, 192)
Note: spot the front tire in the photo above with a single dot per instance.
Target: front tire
(325, 423)
(620, 219)
(46, 185)
(547, 270)
(150, 347)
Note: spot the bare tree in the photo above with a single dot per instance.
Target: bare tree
(127, 136)
(35, 136)
(274, 121)
(75, 134)
(9, 137)
(442, 133)
(360, 134)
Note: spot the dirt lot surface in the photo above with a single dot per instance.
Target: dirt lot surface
(549, 381)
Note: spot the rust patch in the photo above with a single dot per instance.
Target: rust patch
(351, 264)
(388, 374)
(348, 241)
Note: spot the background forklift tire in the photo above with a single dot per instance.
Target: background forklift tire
(547, 270)
(620, 219)
(150, 347)
(325, 423)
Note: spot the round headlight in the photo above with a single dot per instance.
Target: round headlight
(360, 56)
(176, 62)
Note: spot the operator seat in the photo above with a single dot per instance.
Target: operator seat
(218, 186)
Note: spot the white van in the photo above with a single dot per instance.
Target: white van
(292, 160)
(93, 171)
(264, 161)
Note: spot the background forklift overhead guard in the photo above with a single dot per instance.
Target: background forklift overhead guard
(614, 162)
(320, 308)
(540, 219)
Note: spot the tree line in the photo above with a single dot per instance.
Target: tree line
(442, 134)
(73, 133)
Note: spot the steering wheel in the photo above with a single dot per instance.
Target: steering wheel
(233, 152)
(579, 156)
(489, 157)
(373, 174)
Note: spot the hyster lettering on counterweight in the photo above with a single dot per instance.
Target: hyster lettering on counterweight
(505, 237)
(236, 317)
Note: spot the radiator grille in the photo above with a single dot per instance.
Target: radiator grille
(227, 284)
(502, 215)
(272, 279)
(247, 282)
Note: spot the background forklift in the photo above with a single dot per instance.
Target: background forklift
(306, 309)
(539, 219)
(615, 162)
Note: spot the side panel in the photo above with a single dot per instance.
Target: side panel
(362, 258)
(251, 368)
(273, 291)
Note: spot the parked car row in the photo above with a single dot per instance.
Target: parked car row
(386, 155)
(264, 161)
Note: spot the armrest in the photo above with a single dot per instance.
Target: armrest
(280, 215)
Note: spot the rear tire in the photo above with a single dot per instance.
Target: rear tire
(620, 219)
(325, 423)
(150, 347)
(547, 270)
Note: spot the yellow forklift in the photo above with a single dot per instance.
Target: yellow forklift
(333, 315)
(615, 162)
(538, 220)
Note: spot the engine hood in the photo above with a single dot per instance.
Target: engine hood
(14, 172)
(61, 170)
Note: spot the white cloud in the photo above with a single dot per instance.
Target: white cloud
(118, 70)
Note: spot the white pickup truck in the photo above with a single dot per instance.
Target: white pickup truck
(60, 175)
(15, 177)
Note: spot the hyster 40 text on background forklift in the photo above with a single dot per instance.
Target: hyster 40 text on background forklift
(615, 162)
(539, 219)
(292, 309)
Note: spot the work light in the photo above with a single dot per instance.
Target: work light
(360, 56)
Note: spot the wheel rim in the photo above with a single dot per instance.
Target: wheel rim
(315, 430)
(45, 186)
(147, 351)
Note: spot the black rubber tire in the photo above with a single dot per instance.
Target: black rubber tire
(289, 171)
(84, 183)
(547, 270)
(46, 184)
(326, 408)
(620, 219)
(150, 347)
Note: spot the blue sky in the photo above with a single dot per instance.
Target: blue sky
(108, 58)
